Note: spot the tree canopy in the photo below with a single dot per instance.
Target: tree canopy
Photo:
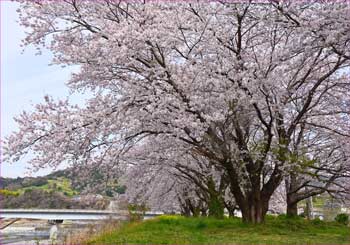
(250, 93)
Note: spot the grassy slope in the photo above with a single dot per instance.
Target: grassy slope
(181, 230)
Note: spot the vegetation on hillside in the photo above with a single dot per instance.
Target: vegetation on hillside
(61, 185)
(51, 191)
(38, 198)
(7, 193)
(181, 230)
(32, 182)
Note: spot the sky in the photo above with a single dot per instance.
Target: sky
(25, 79)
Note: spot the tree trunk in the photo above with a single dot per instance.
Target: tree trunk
(292, 209)
(254, 214)
(231, 212)
(292, 201)
(256, 210)
(230, 209)
(204, 211)
(216, 207)
(185, 211)
(309, 208)
(254, 200)
(216, 203)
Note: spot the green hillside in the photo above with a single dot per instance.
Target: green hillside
(54, 182)
(60, 184)
(50, 191)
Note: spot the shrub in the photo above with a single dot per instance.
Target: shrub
(137, 211)
(342, 218)
(302, 215)
(317, 221)
(289, 217)
(8, 193)
(216, 208)
(283, 216)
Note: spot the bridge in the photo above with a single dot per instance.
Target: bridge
(68, 214)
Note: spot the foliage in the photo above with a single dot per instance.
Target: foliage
(136, 211)
(180, 230)
(5, 193)
(342, 218)
(39, 181)
(57, 188)
(55, 181)
(40, 198)
(60, 184)
(36, 198)
(216, 208)
(16, 183)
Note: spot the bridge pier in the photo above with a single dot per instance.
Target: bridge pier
(53, 233)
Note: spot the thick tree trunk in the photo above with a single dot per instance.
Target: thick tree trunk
(185, 211)
(292, 203)
(256, 209)
(253, 215)
(292, 209)
(254, 200)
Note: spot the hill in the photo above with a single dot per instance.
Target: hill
(50, 181)
(54, 190)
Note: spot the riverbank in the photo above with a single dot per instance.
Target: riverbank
(181, 230)
(34, 232)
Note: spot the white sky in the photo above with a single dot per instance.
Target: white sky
(25, 79)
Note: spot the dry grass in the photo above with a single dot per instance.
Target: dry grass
(92, 231)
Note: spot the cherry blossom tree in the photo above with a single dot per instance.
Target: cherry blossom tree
(233, 83)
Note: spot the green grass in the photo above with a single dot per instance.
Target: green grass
(181, 230)
(60, 184)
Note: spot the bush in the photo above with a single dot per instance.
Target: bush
(317, 221)
(39, 181)
(216, 208)
(302, 215)
(342, 219)
(7, 193)
(137, 211)
(288, 217)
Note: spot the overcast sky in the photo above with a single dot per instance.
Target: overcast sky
(25, 79)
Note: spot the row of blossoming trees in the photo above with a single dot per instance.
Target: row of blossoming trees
(201, 105)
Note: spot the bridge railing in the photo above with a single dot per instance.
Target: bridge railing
(69, 214)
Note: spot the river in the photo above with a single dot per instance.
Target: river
(38, 231)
